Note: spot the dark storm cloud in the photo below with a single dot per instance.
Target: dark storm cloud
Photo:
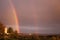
(35, 15)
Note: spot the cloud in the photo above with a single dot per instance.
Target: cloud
(42, 13)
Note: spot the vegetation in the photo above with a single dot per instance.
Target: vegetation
(13, 35)
(10, 30)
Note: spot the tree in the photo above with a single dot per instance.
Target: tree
(15, 35)
(15, 32)
(10, 30)
(2, 31)
(2, 28)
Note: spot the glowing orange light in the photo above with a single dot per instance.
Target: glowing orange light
(5, 30)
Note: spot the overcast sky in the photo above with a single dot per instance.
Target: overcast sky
(41, 16)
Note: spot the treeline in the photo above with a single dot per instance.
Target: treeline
(14, 35)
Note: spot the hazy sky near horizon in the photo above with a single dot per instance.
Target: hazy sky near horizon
(41, 16)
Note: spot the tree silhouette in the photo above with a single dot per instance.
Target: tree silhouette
(2, 31)
(2, 28)
(10, 30)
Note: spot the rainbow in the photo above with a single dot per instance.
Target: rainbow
(14, 15)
